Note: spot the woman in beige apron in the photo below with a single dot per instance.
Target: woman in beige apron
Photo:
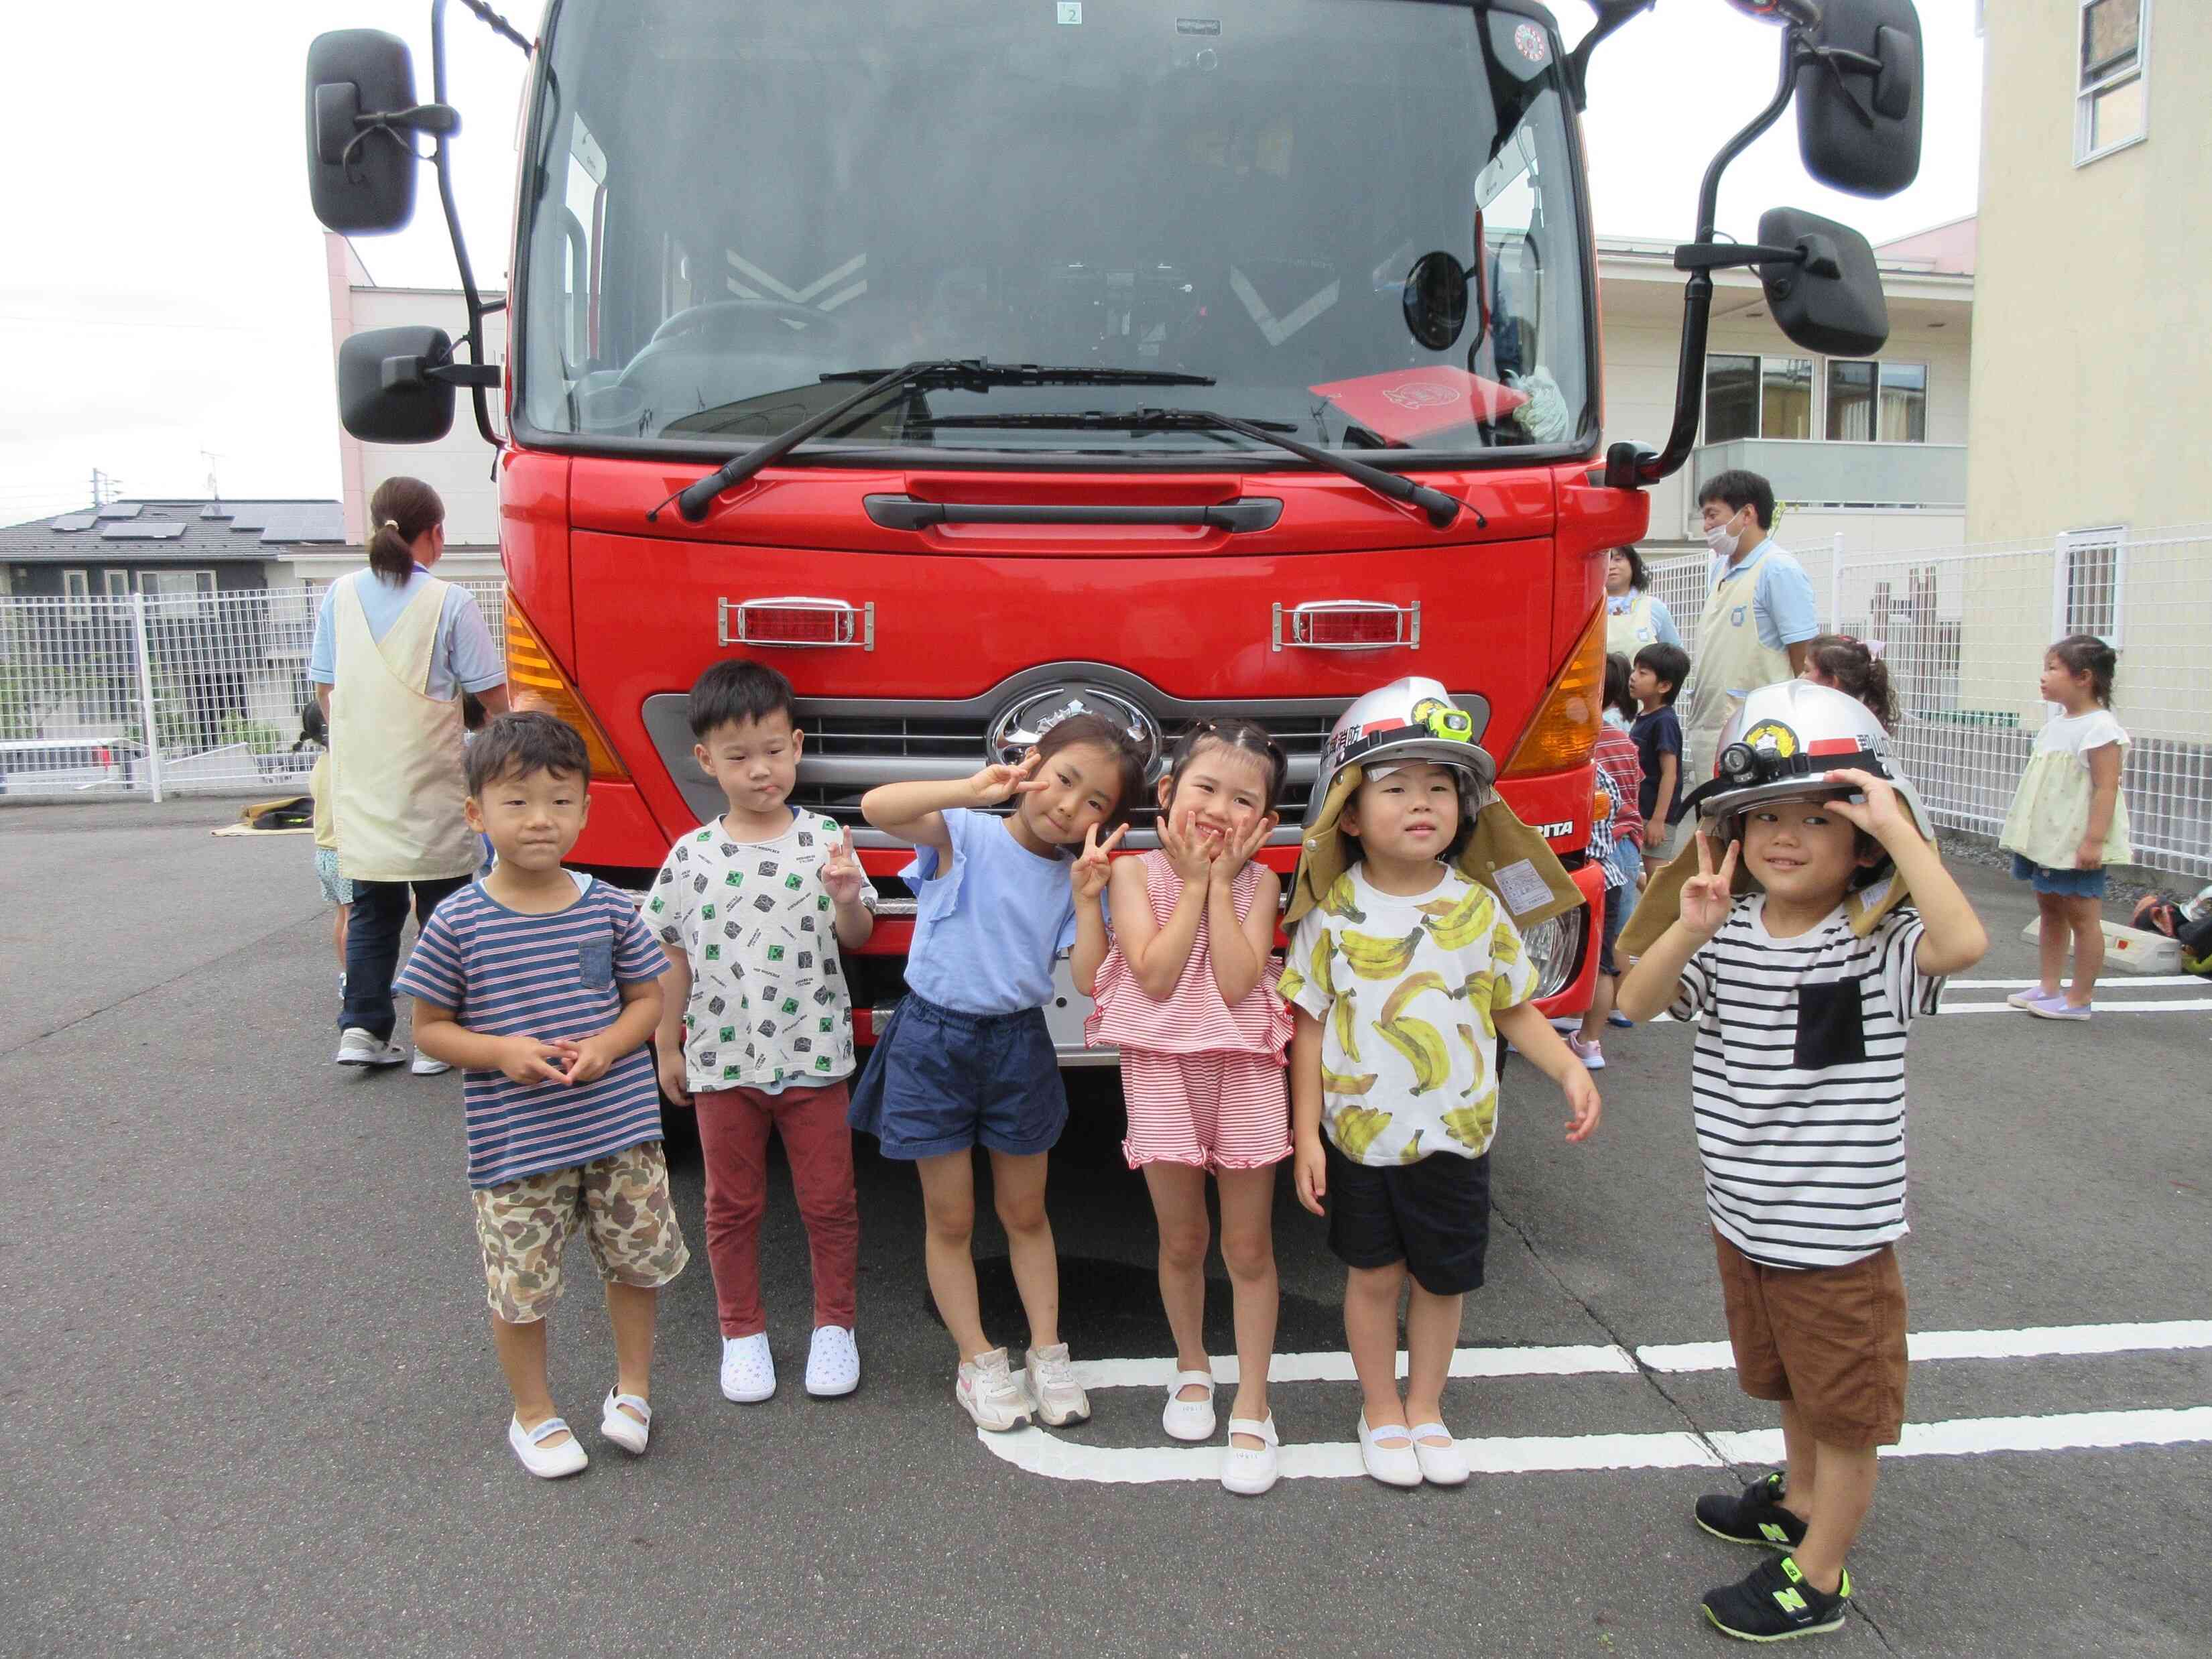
(1633, 617)
(395, 648)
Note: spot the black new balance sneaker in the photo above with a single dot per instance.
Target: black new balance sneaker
(1777, 1602)
(1757, 1518)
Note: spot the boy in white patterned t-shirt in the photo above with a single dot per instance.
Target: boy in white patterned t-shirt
(756, 1030)
(1803, 992)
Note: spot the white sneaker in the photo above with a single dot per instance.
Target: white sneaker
(546, 1462)
(1591, 1053)
(833, 1363)
(986, 1391)
(357, 1047)
(631, 1433)
(1248, 1471)
(1189, 1419)
(748, 1369)
(423, 1065)
(1060, 1399)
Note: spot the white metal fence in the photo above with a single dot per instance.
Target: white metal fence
(219, 679)
(1963, 631)
(155, 696)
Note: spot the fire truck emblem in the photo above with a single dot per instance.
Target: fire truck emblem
(1423, 394)
(1017, 727)
(1530, 40)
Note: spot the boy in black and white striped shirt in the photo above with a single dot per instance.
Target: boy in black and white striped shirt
(1798, 1088)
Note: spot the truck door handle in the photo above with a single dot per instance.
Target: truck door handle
(1245, 513)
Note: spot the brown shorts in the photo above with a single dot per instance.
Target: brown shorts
(1830, 1339)
(620, 1204)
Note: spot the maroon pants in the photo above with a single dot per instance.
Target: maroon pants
(734, 1130)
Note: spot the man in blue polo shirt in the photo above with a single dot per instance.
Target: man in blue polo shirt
(1759, 618)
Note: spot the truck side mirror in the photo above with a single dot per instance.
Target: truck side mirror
(360, 177)
(386, 395)
(1858, 96)
(1830, 300)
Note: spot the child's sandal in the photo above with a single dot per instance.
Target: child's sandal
(629, 1433)
(1189, 1419)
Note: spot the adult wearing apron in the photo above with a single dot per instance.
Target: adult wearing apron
(394, 649)
(1759, 618)
(1633, 619)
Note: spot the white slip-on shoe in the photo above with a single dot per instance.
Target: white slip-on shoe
(1248, 1471)
(546, 1462)
(629, 1433)
(986, 1391)
(1442, 1465)
(748, 1369)
(1393, 1465)
(1189, 1419)
(357, 1047)
(1059, 1398)
(833, 1363)
(423, 1065)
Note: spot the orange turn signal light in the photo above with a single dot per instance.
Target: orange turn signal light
(535, 683)
(1563, 733)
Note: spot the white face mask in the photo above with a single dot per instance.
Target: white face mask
(1723, 540)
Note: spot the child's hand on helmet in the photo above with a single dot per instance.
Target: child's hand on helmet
(1093, 869)
(1707, 897)
(1229, 862)
(1186, 849)
(996, 783)
(1881, 815)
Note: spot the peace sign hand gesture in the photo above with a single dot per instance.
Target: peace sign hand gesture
(1706, 896)
(1002, 783)
(841, 875)
(1093, 869)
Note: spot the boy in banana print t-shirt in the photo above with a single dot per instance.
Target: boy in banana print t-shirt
(1402, 977)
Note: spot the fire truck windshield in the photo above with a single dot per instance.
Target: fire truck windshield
(724, 205)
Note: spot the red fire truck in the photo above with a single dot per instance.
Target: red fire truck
(965, 358)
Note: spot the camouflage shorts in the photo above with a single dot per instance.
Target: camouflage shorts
(620, 1205)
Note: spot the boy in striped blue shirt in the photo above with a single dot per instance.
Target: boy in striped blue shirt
(545, 987)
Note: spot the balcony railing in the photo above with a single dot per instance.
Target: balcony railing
(1805, 473)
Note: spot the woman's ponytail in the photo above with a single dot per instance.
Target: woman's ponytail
(401, 510)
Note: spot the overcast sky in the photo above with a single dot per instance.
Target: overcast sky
(163, 291)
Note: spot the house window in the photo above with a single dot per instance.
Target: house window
(2090, 568)
(1749, 396)
(2111, 98)
(1877, 403)
(118, 582)
(76, 591)
(176, 584)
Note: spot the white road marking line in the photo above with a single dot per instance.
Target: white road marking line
(1335, 1366)
(2103, 1006)
(2034, 1342)
(2117, 978)
(1040, 1452)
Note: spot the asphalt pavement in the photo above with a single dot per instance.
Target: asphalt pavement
(250, 1407)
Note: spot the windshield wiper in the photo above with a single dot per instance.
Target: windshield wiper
(1441, 508)
(960, 373)
(1089, 420)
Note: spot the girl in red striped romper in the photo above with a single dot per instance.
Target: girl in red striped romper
(1185, 987)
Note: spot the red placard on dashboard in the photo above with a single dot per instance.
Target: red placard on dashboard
(1405, 405)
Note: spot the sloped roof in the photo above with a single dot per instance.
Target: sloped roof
(171, 531)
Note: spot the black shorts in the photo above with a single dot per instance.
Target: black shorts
(1432, 1215)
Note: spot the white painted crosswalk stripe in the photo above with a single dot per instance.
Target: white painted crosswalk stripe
(1040, 1452)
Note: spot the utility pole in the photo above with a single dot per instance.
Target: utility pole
(104, 489)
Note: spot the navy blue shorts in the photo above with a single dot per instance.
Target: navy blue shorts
(2067, 884)
(942, 1081)
(1432, 1214)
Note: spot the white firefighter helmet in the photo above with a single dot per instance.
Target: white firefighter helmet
(1784, 739)
(1406, 721)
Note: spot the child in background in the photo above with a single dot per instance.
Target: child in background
(1656, 730)
(1803, 991)
(1855, 668)
(967, 1057)
(1620, 841)
(1186, 988)
(315, 728)
(544, 986)
(1403, 970)
(757, 1025)
(2067, 822)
